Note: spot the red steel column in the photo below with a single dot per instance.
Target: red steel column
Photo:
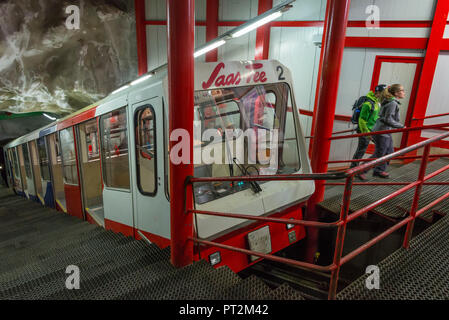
(434, 47)
(337, 20)
(320, 69)
(181, 35)
(141, 32)
(211, 27)
(263, 33)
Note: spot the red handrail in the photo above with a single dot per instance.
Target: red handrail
(432, 116)
(345, 217)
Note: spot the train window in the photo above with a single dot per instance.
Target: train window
(146, 150)
(43, 159)
(289, 154)
(268, 145)
(69, 170)
(26, 157)
(114, 149)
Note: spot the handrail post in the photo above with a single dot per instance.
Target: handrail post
(414, 208)
(339, 242)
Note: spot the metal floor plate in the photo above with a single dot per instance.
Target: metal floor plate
(38, 243)
(420, 273)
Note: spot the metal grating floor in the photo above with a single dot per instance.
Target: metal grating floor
(38, 243)
(420, 273)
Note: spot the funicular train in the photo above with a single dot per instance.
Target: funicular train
(109, 162)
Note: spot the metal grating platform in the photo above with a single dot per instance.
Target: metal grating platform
(420, 273)
(38, 243)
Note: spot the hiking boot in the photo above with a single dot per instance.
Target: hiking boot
(382, 174)
(362, 177)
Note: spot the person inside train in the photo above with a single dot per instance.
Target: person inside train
(369, 112)
(389, 118)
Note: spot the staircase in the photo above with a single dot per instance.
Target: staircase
(37, 244)
(399, 206)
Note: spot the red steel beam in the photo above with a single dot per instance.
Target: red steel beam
(430, 63)
(263, 33)
(141, 33)
(212, 27)
(180, 45)
(386, 42)
(337, 19)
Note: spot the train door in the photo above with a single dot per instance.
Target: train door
(9, 164)
(90, 171)
(152, 209)
(23, 176)
(36, 170)
(72, 190)
(405, 71)
(54, 152)
(44, 166)
(117, 195)
(18, 186)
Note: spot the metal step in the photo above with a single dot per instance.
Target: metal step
(397, 207)
(332, 202)
(419, 273)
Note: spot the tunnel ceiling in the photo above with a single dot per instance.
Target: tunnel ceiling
(44, 66)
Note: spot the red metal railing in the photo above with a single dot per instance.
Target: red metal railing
(431, 116)
(345, 216)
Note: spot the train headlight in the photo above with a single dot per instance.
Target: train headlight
(290, 225)
(215, 258)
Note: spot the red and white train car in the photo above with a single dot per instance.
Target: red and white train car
(109, 162)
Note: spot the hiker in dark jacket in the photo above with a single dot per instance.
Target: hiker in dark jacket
(389, 118)
(368, 116)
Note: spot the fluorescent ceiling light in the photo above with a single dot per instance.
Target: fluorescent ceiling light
(141, 79)
(120, 89)
(257, 24)
(51, 118)
(210, 47)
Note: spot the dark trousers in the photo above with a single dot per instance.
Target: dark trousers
(384, 146)
(361, 149)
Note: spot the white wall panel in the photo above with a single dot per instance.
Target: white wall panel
(157, 10)
(439, 96)
(394, 9)
(308, 10)
(237, 9)
(241, 48)
(406, 9)
(389, 32)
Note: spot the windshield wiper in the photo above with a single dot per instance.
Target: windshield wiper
(254, 185)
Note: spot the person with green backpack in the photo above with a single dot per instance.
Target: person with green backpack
(365, 114)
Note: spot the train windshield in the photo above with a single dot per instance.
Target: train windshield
(244, 131)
